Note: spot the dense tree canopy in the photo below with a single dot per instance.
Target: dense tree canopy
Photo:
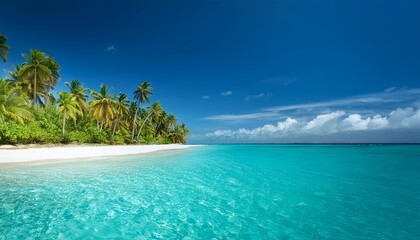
(30, 113)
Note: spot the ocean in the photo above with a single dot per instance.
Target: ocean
(219, 192)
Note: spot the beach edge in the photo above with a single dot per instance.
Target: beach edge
(76, 152)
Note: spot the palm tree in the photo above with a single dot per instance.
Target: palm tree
(179, 133)
(121, 109)
(67, 105)
(17, 80)
(78, 91)
(3, 47)
(159, 123)
(35, 68)
(155, 110)
(53, 77)
(13, 105)
(185, 129)
(141, 94)
(102, 105)
(170, 123)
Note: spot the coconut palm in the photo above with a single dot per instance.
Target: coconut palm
(155, 111)
(130, 118)
(170, 123)
(22, 82)
(141, 94)
(53, 77)
(179, 134)
(3, 47)
(67, 105)
(160, 124)
(171, 120)
(13, 105)
(185, 129)
(78, 91)
(102, 105)
(121, 109)
(15, 78)
(35, 69)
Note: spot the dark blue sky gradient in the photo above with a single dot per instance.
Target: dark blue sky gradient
(297, 51)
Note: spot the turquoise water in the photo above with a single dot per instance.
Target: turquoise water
(220, 192)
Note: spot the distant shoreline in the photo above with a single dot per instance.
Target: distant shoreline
(25, 153)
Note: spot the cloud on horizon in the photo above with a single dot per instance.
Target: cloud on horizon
(325, 124)
(391, 95)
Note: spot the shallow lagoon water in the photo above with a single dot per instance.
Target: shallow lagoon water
(221, 192)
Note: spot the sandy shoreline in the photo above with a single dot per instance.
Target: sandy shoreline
(59, 153)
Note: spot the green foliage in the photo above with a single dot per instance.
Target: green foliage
(118, 139)
(148, 139)
(4, 48)
(123, 136)
(163, 140)
(44, 129)
(36, 70)
(13, 133)
(48, 120)
(90, 135)
(70, 118)
(68, 107)
(10, 132)
(13, 106)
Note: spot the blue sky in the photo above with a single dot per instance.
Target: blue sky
(242, 71)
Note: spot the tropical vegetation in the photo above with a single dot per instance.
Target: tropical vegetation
(30, 112)
(3, 47)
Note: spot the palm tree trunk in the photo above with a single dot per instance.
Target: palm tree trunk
(34, 101)
(115, 126)
(135, 119)
(141, 127)
(47, 96)
(64, 122)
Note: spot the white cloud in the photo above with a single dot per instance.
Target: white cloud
(389, 96)
(388, 90)
(355, 122)
(377, 99)
(268, 129)
(322, 121)
(205, 97)
(333, 122)
(405, 118)
(378, 122)
(110, 48)
(261, 95)
(242, 117)
(221, 133)
(226, 93)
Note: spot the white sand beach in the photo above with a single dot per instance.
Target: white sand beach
(74, 152)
